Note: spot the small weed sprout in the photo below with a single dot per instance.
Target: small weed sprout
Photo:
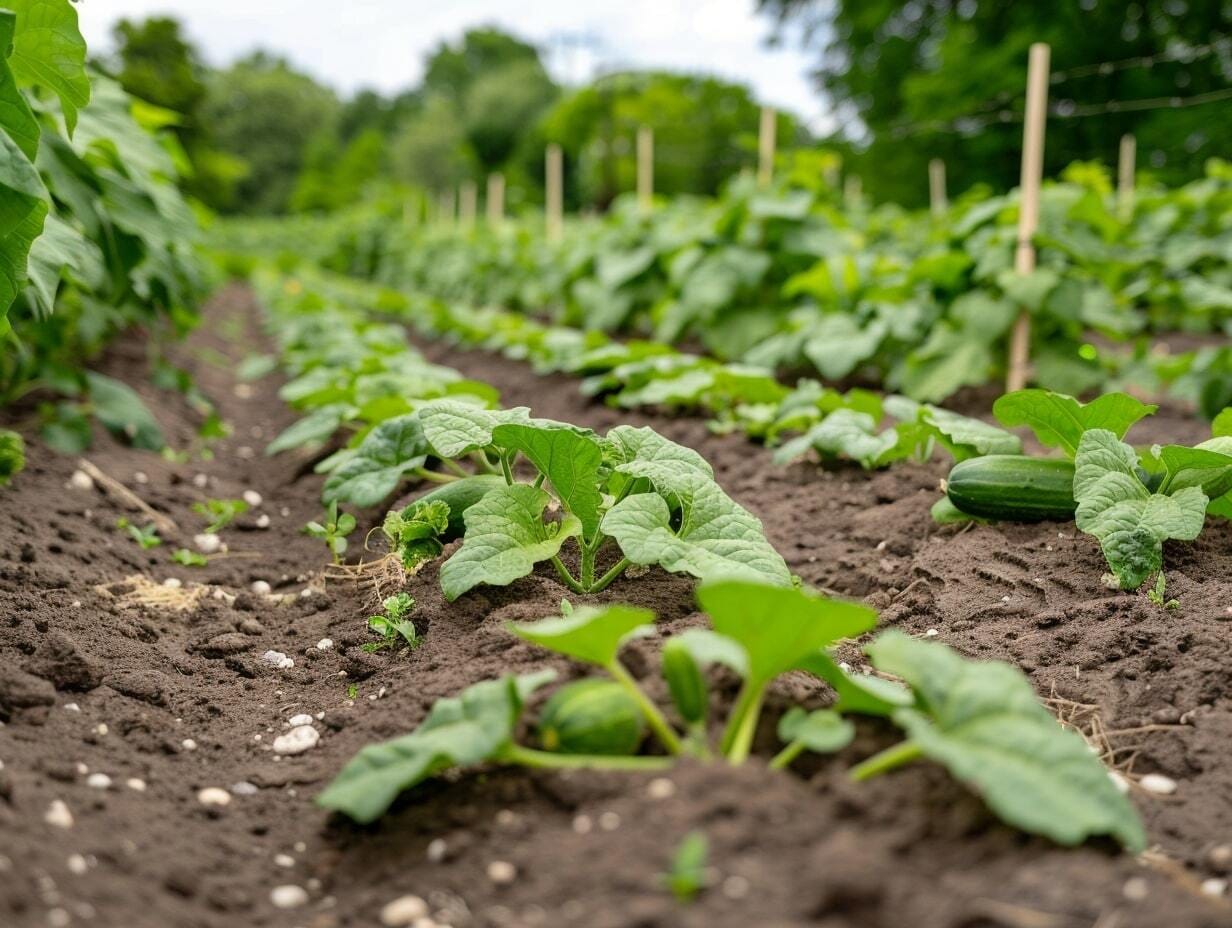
(394, 624)
(334, 532)
(1156, 594)
(687, 876)
(186, 558)
(146, 536)
(219, 513)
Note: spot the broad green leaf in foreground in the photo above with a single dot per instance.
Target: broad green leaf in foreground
(16, 117)
(505, 538)
(570, 460)
(591, 635)
(48, 50)
(718, 538)
(982, 720)
(965, 437)
(1129, 521)
(468, 729)
(1206, 466)
(383, 458)
(455, 429)
(1059, 421)
(863, 694)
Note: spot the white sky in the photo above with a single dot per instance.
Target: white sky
(381, 43)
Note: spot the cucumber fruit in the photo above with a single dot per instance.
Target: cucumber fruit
(1013, 488)
(591, 717)
(461, 495)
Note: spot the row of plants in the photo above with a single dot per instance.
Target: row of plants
(96, 236)
(515, 490)
(789, 278)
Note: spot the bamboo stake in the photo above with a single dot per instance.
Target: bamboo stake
(1125, 177)
(445, 207)
(937, 201)
(853, 189)
(496, 199)
(645, 167)
(765, 146)
(1028, 210)
(554, 204)
(468, 197)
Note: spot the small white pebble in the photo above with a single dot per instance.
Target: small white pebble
(284, 860)
(136, 784)
(261, 588)
(1118, 781)
(501, 872)
(1135, 889)
(582, 825)
(214, 796)
(81, 481)
(405, 910)
(263, 521)
(141, 477)
(252, 498)
(244, 788)
(284, 512)
(1005, 599)
(306, 592)
(201, 481)
(1158, 784)
(77, 864)
(1214, 886)
(735, 887)
(72, 707)
(82, 769)
(58, 918)
(660, 788)
(101, 729)
(297, 740)
(245, 451)
(325, 644)
(881, 546)
(76, 604)
(297, 720)
(931, 633)
(188, 744)
(173, 583)
(207, 542)
(98, 781)
(58, 815)
(289, 896)
(609, 821)
(437, 850)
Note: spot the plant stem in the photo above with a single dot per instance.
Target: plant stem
(506, 470)
(528, 757)
(784, 757)
(606, 580)
(539, 481)
(565, 577)
(432, 476)
(736, 719)
(658, 724)
(742, 743)
(455, 467)
(588, 567)
(888, 759)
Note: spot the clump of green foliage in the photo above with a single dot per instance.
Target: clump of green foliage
(333, 531)
(687, 875)
(12, 456)
(414, 531)
(394, 624)
(219, 513)
(187, 558)
(146, 536)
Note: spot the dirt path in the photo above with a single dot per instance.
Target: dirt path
(183, 701)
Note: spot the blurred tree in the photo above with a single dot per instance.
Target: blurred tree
(891, 67)
(266, 113)
(155, 62)
(450, 70)
(705, 130)
(336, 175)
(431, 150)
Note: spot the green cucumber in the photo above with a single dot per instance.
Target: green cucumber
(592, 717)
(461, 494)
(1013, 488)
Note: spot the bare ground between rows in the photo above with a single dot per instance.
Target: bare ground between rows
(187, 703)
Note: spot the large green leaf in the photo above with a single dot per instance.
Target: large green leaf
(48, 50)
(505, 538)
(391, 450)
(843, 433)
(16, 117)
(591, 635)
(1206, 466)
(982, 721)
(1059, 421)
(120, 409)
(1129, 521)
(717, 538)
(455, 429)
(568, 458)
(459, 731)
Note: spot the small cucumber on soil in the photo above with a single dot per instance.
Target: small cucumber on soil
(591, 717)
(1013, 488)
(461, 495)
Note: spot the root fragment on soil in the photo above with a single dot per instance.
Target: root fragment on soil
(165, 524)
(386, 574)
(138, 590)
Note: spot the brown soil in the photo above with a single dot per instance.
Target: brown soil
(90, 684)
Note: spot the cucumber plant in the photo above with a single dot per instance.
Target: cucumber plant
(979, 719)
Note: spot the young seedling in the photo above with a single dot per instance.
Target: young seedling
(12, 456)
(334, 532)
(219, 513)
(414, 532)
(1156, 594)
(688, 874)
(394, 625)
(187, 558)
(146, 536)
